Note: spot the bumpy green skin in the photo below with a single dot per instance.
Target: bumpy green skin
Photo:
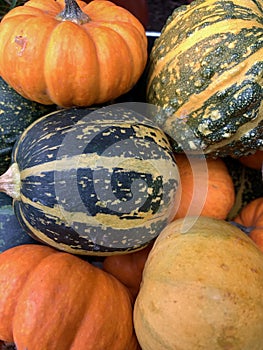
(11, 233)
(234, 110)
(16, 114)
(95, 184)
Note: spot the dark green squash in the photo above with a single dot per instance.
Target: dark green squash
(206, 72)
(93, 183)
(16, 114)
(11, 232)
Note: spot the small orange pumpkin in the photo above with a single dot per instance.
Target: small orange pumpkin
(85, 54)
(128, 268)
(139, 8)
(254, 161)
(206, 187)
(251, 216)
(56, 301)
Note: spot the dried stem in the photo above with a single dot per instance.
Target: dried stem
(72, 12)
(10, 182)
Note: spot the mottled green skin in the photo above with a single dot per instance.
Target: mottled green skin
(16, 113)
(228, 109)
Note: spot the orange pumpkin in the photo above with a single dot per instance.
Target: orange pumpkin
(254, 161)
(85, 54)
(139, 8)
(56, 301)
(128, 268)
(206, 187)
(251, 216)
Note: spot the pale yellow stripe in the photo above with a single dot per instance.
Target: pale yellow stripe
(223, 27)
(187, 15)
(42, 237)
(156, 167)
(230, 77)
(100, 219)
(74, 249)
(210, 4)
(242, 130)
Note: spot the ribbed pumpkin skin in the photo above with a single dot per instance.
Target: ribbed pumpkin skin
(70, 64)
(56, 301)
(139, 8)
(16, 114)
(206, 71)
(128, 268)
(94, 183)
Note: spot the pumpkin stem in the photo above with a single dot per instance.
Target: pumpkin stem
(72, 12)
(10, 182)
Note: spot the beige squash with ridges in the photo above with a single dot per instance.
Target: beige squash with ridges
(201, 290)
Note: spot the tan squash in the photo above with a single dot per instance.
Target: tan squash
(202, 289)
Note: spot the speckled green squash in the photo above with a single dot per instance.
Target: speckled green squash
(11, 232)
(206, 72)
(95, 183)
(16, 113)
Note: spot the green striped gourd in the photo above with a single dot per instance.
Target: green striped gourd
(11, 232)
(16, 114)
(206, 72)
(94, 183)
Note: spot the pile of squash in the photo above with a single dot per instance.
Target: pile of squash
(87, 259)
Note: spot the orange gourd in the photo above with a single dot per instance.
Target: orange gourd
(251, 217)
(81, 55)
(128, 268)
(55, 301)
(139, 8)
(206, 187)
(253, 161)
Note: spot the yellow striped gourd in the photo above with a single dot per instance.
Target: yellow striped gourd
(93, 182)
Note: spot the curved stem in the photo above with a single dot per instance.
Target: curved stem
(10, 182)
(73, 13)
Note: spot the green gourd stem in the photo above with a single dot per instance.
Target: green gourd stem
(10, 182)
(72, 12)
